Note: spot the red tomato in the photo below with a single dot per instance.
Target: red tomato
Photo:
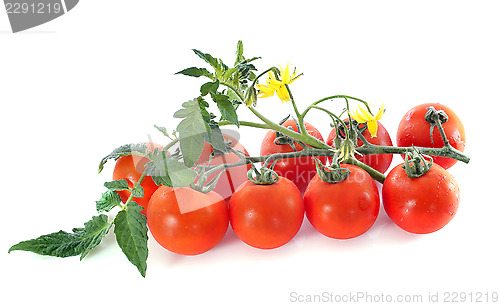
(298, 170)
(343, 210)
(379, 162)
(414, 130)
(421, 205)
(233, 177)
(130, 168)
(266, 216)
(185, 221)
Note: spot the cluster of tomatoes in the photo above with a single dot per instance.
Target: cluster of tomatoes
(189, 222)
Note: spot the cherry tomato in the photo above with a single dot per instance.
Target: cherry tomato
(185, 221)
(343, 210)
(233, 177)
(299, 170)
(414, 130)
(421, 205)
(130, 168)
(379, 162)
(266, 216)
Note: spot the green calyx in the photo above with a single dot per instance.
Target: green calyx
(266, 176)
(331, 174)
(415, 164)
(282, 139)
(435, 118)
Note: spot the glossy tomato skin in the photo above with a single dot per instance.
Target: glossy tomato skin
(185, 221)
(231, 178)
(421, 205)
(379, 162)
(266, 216)
(130, 168)
(414, 130)
(298, 170)
(343, 210)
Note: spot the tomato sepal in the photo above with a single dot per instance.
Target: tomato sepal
(415, 165)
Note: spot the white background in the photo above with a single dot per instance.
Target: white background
(75, 88)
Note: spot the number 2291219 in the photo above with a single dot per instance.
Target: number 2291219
(33, 8)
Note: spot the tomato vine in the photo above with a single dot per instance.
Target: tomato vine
(228, 89)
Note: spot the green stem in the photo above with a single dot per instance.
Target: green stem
(172, 143)
(446, 151)
(139, 182)
(307, 152)
(332, 115)
(300, 118)
(246, 123)
(335, 97)
(376, 175)
(234, 90)
(268, 158)
(365, 150)
(307, 139)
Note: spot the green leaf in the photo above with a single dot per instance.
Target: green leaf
(132, 235)
(226, 108)
(166, 170)
(216, 139)
(125, 150)
(253, 59)
(195, 72)
(192, 130)
(117, 185)
(64, 244)
(239, 52)
(230, 72)
(209, 87)
(109, 200)
(208, 58)
(219, 67)
(162, 130)
(138, 191)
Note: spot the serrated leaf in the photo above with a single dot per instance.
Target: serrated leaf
(207, 58)
(195, 72)
(117, 185)
(64, 244)
(138, 191)
(192, 130)
(216, 139)
(109, 200)
(192, 138)
(226, 108)
(132, 235)
(162, 130)
(125, 150)
(166, 170)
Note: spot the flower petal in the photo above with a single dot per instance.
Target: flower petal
(285, 74)
(283, 94)
(372, 127)
(265, 91)
(358, 117)
(380, 112)
(366, 114)
(275, 83)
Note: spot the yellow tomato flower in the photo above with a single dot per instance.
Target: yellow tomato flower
(275, 85)
(266, 90)
(362, 116)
